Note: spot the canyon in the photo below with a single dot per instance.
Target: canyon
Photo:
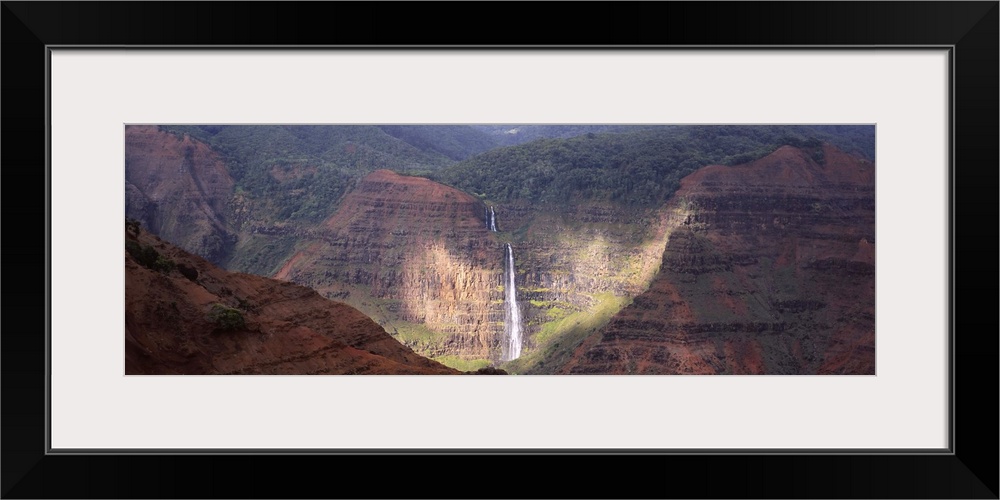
(765, 266)
(421, 259)
(773, 272)
(181, 189)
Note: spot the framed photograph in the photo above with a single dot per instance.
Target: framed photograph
(711, 252)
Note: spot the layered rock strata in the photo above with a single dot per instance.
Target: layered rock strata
(406, 249)
(773, 272)
(183, 315)
(180, 189)
(420, 258)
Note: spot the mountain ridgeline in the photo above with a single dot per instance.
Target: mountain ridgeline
(591, 249)
(639, 168)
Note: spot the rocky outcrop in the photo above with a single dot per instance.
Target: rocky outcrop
(180, 189)
(183, 315)
(772, 271)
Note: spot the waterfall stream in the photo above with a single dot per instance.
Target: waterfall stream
(512, 314)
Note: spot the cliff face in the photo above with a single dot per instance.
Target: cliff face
(415, 255)
(409, 252)
(773, 272)
(183, 315)
(418, 256)
(180, 189)
(578, 264)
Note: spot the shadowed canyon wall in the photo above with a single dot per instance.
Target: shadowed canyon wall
(774, 273)
(180, 189)
(183, 315)
(766, 267)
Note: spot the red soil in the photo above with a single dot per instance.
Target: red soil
(289, 329)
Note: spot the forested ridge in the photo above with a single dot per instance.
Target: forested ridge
(642, 167)
(303, 170)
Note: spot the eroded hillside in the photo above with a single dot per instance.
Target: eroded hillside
(183, 315)
(773, 272)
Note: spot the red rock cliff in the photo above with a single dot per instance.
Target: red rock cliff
(772, 271)
(171, 326)
(406, 248)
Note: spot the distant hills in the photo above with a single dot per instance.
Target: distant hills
(629, 165)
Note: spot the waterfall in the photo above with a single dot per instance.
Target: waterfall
(512, 314)
(493, 220)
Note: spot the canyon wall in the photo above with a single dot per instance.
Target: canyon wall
(773, 272)
(419, 257)
(766, 267)
(413, 254)
(180, 189)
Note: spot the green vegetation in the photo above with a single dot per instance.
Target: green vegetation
(427, 342)
(554, 310)
(556, 313)
(640, 168)
(452, 141)
(607, 305)
(261, 254)
(296, 176)
(292, 177)
(416, 336)
(461, 364)
(559, 337)
(226, 318)
(148, 257)
(164, 264)
(300, 173)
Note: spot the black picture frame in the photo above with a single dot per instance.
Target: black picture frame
(970, 470)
